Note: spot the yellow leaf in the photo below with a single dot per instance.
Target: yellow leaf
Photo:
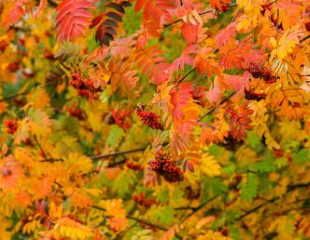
(210, 166)
(211, 235)
(77, 164)
(69, 228)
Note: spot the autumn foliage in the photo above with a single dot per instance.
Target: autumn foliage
(154, 119)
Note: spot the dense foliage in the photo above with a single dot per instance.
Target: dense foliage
(154, 119)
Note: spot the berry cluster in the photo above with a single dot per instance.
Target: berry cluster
(249, 95)
(149, 118)
(142, 200)
(11, 126)
(85, 88)
(261, 72)
(165, 167)
(239, 120)
(134, 166)
(76, 112)
(122, 118)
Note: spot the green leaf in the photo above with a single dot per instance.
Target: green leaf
(212, 187)
(254, 141)
(115, 136)
(234, 232)
(230, 169)
(162, 215)
(131, 20)
(233, 71)
(92, 43)
(163, 195)
(123, 183)
(249, 189)
(216, 150)
(264, 166)
(302, 157)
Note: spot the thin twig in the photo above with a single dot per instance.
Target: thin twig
(185, 76)
(14, 96)
(139, 220)
(290, 188)
(180, 19)
(196, 209)
(221, 103)
(115, 154)
(144, 222)
(304, 39)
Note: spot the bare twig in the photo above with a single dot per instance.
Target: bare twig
(201, 206)
(141, 221)
(290, 188)
(304, 39)
(14, 96)
(115, 154)
(185, 76)
(221, 103)
(180, 20)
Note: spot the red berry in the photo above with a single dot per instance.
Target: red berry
(166, 168)
(11, 126)
(149, 118)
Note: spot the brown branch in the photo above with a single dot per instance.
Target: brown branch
(14, 96)
(200, 14)
(147, 223)
(115, 154)
(185, 76)
(304, 39)
(290, 188)
(221, 103)
(141, 221)
(180, 20)
(196, 209)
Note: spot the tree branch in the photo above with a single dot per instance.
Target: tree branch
(221, 103)
(115, 154)
(185, 76)
(200, 14)
(147, 223)
(14, 96)
(141, 221)
(290, 188)
(196, 209)
(304, 39)
(180, 19)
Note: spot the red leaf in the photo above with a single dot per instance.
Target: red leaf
(240, 55)
(13, 13)
(73, 18)
(180, 97)
(41, 7)
(221, 5)
(225, 34)
(215, 94)
(186, 58)
(238, 82)
(190, 33)
(155, 13)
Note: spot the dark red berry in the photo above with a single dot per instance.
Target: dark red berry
(254, 96)
(134, 166)
(149, 118)
(85, 87)
(141, 199)
(76, 112)
(165, 167)
(11, 126)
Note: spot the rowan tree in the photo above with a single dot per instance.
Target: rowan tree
(154, 119)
